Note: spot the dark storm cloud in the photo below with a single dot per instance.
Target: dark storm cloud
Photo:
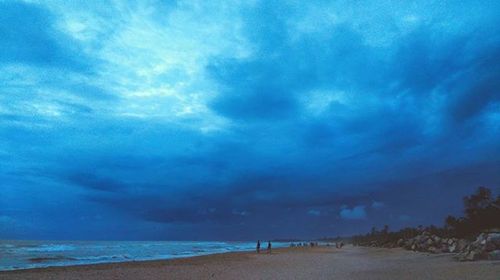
(28, 36)
(479, 93)
(427, 73)
(268, 84)
(90, 181)
(326, 122)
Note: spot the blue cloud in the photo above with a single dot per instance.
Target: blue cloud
(28, 37)
(404, 217)
(356, 213)
(378, 205)
(201, 129)
(314, 212)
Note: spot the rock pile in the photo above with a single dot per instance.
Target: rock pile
(485, 247)
(426, 242)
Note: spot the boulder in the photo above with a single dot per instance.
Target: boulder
(472, 256)
(400, 242)
(481, 239)
(429, 242)
(494, 238)
(452, 248)
(494, 255)
(490, 246)
(462, 245)
(433, 250)
(445, 249)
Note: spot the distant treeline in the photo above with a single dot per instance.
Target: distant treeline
(481, 210)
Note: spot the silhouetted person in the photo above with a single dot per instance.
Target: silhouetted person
(269, 247)
(258, 246)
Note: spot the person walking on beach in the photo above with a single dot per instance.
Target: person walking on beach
(269, 247)
(258, 246)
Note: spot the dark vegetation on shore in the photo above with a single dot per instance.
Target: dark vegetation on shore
(481, 214)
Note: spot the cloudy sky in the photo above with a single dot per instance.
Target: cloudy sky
(240, 120)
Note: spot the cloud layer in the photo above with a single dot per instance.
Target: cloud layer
(204, 120)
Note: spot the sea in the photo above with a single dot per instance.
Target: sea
(18, 254)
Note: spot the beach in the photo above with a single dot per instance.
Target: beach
(286, 263)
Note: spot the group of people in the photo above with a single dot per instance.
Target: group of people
(304, 244)
(338, 245)
(269, 246)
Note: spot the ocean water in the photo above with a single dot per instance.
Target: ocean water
(31, 254)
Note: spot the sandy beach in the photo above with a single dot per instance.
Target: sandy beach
(288, 263)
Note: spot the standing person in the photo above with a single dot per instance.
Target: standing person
(269, 247)
(258, 246)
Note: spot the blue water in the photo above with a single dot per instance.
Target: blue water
(31, 254)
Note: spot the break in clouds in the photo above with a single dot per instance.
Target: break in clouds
(253, 119)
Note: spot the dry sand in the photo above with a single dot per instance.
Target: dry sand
(290, 263)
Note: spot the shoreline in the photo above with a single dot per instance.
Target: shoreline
(32, 254)
(284, 263)
(130, 261)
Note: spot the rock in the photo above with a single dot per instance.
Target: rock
(462, 245)
(418, 239)
(494, 238)
(452, 248)
(481, 238)
(444, 249)
(460, 256)
(429, 242)
(400, 242)
(433, 250)
(472, 256)
(490, 246)
(494, 255)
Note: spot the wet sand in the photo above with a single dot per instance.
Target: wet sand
(288, 263)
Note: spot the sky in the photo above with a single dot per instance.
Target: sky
(243, 120)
